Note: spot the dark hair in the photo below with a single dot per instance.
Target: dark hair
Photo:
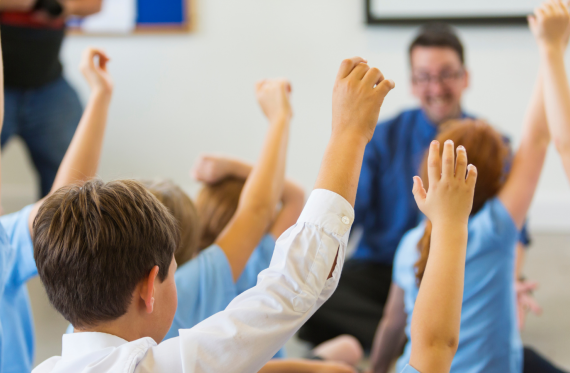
(438, 35)
(486, 150)
(94, 243)
(184, 211)
(217, 204)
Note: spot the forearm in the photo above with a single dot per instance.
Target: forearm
(435, 334)
(81, 8)
(17, 5)
(81, 160)
(387, 346)
(557, 99)
(341, 165)
(264, 184)
(289, 366)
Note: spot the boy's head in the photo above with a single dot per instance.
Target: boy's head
(217, 204)
(184, 211)
(104, 252)
(439, 77)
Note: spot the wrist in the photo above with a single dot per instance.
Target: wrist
(354, 137)
(282, 118)
(551, 49)
(101, 93)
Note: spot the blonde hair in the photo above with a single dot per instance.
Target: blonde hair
(217, 204)
(184, 211)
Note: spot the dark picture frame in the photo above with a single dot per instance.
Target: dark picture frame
(371, 19)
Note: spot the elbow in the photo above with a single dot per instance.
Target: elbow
(562, 146)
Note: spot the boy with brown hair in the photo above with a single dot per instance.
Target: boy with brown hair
(80, 163)
(101, 251)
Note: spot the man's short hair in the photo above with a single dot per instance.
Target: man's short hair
(94, 243)
(438, 35)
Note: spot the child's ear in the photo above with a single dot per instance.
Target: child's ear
(147, 289)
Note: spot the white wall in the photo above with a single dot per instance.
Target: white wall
(180, 95)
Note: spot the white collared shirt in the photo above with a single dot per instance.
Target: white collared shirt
(255, 325)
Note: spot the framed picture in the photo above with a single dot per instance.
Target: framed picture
(386, 12)
(137, 16)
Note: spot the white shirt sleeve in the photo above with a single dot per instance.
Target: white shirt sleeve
(257, 323)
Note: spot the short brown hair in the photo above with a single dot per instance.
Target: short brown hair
(184, 211)
(217, 204)
(439, 35)
(94, 243)
(488, 151)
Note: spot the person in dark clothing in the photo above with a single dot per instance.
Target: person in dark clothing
(41, 107)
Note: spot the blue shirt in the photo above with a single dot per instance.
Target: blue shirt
(409, 369)
(489, 339)
(205, 284)
(385, 207)
(6, 263)
(15, 310)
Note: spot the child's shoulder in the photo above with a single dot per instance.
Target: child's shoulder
(493, 220)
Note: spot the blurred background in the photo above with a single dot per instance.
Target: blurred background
(180, 94)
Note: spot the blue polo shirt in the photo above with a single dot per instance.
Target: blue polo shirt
(385, 207)
(6, 263)
(15, 309)
(489, 339)
(205, 284)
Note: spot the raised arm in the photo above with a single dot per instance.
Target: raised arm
(210, 169)
(303, 274)
(264, 185)
(527, 164)
(437, 312)
(390, 336)
(81, 8)
(81, 159)
(550, 26)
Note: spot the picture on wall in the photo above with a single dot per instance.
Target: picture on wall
(131, 16)
(454, 11)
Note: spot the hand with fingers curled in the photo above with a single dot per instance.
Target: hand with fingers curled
(96, 73)
(450, 187)
(359, 92)
(210, 169)
(550, 24)
(273, 96)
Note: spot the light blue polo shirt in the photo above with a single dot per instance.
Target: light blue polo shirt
(489, 339)
(7, 256)
(409, 369)
(205, 284)
(15, 310)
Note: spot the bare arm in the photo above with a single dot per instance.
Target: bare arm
(81, 159)
(305, 366)
(551, 30)
(211, 169)
(437, 312)
(390, 335)
(265, 183)
(17, 5)
(516, 195)
(81, 8)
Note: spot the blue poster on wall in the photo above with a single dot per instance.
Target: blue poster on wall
(152, 12)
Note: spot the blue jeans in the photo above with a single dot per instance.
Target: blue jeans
(46, 119)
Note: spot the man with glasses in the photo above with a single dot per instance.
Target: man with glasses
(385, 207)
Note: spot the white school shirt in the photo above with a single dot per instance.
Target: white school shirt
(254, 326)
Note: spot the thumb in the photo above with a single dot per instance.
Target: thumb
(531, 22)
(419, 192)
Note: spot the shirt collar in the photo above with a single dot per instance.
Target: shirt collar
(77, 344)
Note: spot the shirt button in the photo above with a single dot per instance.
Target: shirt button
(345, 220)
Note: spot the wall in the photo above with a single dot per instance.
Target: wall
(181, 95)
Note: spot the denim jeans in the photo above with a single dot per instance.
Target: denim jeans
(46, 119)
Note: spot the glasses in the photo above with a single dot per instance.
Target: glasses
(445, 78)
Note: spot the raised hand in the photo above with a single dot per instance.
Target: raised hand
(210, 169)
(273, 97)
(449, 198)
(358, 94)
(550, 23)
(96, 74)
